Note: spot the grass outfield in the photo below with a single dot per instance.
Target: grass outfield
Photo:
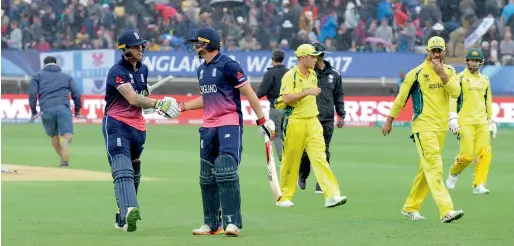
(375, 173)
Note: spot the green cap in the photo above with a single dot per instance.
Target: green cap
(474, 54)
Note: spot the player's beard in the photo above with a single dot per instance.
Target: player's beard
(201, 53)
(473, 66)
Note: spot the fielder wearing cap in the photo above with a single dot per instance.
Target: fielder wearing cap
(303, 131)
(431, 84)
(329, 100)
(470, 119)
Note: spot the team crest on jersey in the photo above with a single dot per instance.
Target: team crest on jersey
(201, 74)
(142, 78)
(131, 78)
(214, 72)
(330, 78)
(119, 80)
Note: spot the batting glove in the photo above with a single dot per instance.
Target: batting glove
(267, 127)
(454, 123)
(492, 128)
(168, 107)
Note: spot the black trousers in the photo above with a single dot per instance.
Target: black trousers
(305, 164)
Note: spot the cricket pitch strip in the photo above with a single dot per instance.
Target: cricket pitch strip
(37, 173)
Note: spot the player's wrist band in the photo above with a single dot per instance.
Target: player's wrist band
(182, 106)
(261, 121)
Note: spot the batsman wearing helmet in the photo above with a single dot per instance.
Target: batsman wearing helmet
(430, 85)
(303, 131)
(470, 119)
(222, 81)
(330, 98)
(123, 125)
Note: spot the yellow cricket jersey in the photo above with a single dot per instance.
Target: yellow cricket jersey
(295, 82)
(474, 102)
(430, 98)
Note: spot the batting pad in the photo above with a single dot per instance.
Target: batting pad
(228, 185)
(136, 165)
(124, 188)
(210, 195)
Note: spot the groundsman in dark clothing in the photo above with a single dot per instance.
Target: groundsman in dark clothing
(330, 99)
(270, 87)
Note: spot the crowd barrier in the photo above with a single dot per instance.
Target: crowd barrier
(360, 111)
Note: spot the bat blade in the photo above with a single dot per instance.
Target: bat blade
(151, 88)
(272, 171)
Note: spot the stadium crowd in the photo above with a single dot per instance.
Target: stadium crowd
(344, 25)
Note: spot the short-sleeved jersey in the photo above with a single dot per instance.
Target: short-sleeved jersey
(294, 82)
(123, 74)
(430, 97)
(474, 104)
(220, 81)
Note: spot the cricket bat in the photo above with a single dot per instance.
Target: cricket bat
(272, 171)
(159, 84)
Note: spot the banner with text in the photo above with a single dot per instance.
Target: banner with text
(255, 64)
(360, 111)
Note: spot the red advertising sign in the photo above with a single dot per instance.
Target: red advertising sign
(360, 111)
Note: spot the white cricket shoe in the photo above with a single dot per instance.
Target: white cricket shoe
(451, 181)
(232, 230)
(480, 190)
(205, 230)
(335, 201)
(452, 215)
(413, 215)
(285, 204)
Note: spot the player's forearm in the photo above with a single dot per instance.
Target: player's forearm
(452, 88)
(444, 78)
(293, 97)
(489, 104)
(398, 104)
(142, 101)
(453, 105)
(255, 103)
(194, 104)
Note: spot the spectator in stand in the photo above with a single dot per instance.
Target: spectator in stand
(15, 37)
(87, 24)
(507, 49)
(384, 31)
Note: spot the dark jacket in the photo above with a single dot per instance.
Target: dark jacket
(270, 86)
(53, 88)
(331, 85)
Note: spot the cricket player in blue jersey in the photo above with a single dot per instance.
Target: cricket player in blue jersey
(124, 127)
(222, 80)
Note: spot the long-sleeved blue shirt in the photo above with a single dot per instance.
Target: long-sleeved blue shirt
(53, 88)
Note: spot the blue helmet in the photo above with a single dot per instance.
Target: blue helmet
(130, 38)
(208, 36)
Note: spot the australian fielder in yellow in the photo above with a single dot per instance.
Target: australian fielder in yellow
(430, 85)
(303, 131)
(470, 120)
